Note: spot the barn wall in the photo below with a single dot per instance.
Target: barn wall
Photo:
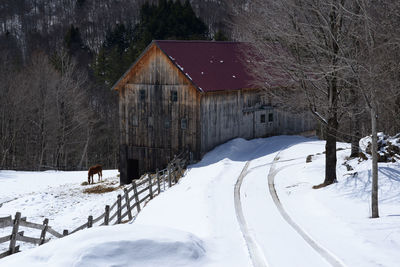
(223, 117)
(227, 115)
(152, 127)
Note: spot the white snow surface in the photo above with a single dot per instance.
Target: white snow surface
(194, 223)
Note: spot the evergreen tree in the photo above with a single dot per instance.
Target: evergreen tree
(220, 36)
(123, 44)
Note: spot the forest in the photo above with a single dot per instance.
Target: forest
(58, 62)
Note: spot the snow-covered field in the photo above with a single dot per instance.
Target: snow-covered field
(55, 195)
(195, 223)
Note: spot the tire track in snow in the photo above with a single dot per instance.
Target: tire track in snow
(327, 255)
(256, 255)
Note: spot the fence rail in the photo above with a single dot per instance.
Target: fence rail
(125, 208)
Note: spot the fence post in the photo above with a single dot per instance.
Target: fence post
(136, 196)
(14, 233)
(65, 232)
(180, 170)
(163, 175)
(119, 209)
(158, 182)
(150, 187)
(44, 230)
(107, 215)
(174, 174)
(169, 175)
(90, 221)
(128, 204)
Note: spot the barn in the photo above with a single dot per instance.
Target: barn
(192, 95)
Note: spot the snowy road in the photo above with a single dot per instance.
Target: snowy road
(269, 233)
(327, 255)
(256, 255)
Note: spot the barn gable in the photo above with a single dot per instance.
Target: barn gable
(153, 67)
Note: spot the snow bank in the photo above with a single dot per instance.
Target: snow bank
(388, 147)
(120, 245)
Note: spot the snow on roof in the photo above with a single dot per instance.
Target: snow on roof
(197, 59)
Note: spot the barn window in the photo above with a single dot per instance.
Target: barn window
(184, 123)
(271, 117)
(135, 120)
(174, 96)
(142, 95)
(262, 118)
(167, 123)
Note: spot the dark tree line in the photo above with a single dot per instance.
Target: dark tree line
(59, 60)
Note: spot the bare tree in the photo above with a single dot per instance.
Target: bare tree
(302, 41)
(375, 67)
(336, 52)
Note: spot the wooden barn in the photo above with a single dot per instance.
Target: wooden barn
(191, 95)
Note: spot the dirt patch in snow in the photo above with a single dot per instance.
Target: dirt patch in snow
(100, 189)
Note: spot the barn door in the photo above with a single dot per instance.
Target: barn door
(133, 169)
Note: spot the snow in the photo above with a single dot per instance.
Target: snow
(55, 195)
(188, 76)
(180, 67)
(194, 223)
(120, 245)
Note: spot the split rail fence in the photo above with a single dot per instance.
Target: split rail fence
(124, 209)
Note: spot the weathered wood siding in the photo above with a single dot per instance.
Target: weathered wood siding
(223, 117)
(231, 114)
(152, 127)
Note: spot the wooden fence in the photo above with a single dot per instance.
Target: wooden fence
(124, 209)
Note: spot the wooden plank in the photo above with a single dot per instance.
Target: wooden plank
(83, 226)
(150, 188)
(143, 190)
(8, 252)
(53, 232)
(141, 182)
(98, 218)
(6, 221)
(90, 221)
(113, 205)
(14, 233)
(5, 254)
(31, 225)
(135, 194)
(119, 210)
(129, 189)
(169, 176)
(124, 214)
(107, 215)
(28, 239)
(5, 239)
(43, 233)
(143, 199)
(158, 182)
(174, 176)
(112, 217)
(128, 204)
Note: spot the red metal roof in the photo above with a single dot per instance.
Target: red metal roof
(212, 66)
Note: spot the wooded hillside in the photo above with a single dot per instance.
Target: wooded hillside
(58, 61)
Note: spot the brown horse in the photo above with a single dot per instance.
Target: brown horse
(93, 170)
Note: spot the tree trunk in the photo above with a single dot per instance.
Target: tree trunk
(374, 191)
(330, 148)
(355, 124)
